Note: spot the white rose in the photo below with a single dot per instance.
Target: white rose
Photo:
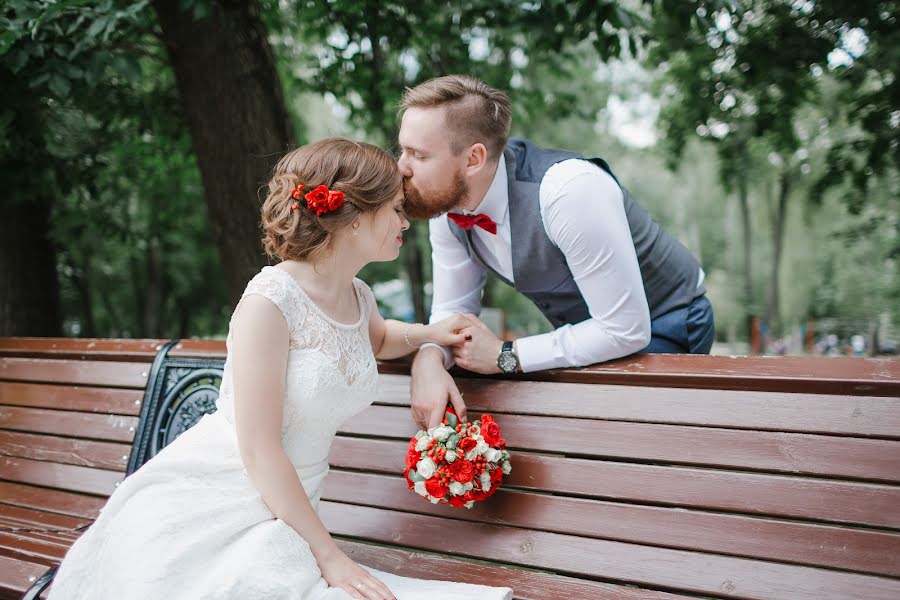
(468, 485)
(433, 500)
(441, 433)
(450, 456)
(482, 447)
(485, 481)
(492, 455)
(419, 488)
(507, 467)
(457, 489)
(423, 442)
(420, 434)
(470, 504)
(471, 454)
(426, 467)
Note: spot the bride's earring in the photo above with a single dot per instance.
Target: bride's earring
(355, 228)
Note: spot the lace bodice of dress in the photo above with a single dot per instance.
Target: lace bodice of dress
(331, 371)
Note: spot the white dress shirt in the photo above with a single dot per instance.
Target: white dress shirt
(583, 213)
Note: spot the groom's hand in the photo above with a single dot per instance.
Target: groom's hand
(480, 350)
(431, 388)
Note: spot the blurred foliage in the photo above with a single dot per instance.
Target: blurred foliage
(750, 93)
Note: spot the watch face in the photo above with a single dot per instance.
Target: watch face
(507, 362)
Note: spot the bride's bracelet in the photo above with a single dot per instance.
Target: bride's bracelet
(406, 335)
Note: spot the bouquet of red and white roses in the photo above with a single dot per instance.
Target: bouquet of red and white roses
(457, 463)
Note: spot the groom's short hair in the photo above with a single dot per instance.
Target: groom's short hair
(475, 111)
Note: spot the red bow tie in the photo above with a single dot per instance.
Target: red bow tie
(467, 222)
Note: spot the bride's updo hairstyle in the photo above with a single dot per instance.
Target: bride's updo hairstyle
(367, 175)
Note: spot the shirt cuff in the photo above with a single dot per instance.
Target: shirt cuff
(538, 352)
(448, 356)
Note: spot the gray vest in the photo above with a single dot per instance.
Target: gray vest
(669, 271)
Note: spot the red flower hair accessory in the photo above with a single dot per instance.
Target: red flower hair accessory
(322, 200)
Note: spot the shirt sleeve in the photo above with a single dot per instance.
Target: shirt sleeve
(584, 215)
(457, 280)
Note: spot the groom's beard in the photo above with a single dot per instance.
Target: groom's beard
(421, 206)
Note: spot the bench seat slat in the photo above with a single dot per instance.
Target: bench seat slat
(714, 447)
(875, 552)
(65, 477)
(777, 495)
(70, 397)
(117, 428)
(82, 348)
(95, 373)
(772, 411)
(28, 548)
(677, 570)
(40, 519)
(86, 453)
(16, 576)
(837, 375)
(50, 500)
(526, 585)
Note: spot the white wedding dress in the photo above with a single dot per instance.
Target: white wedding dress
(191, 525)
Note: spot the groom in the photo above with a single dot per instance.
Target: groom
(556, 226)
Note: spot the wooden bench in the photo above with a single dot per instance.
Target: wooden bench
(648, 478)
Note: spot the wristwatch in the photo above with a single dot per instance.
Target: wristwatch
(508, 361)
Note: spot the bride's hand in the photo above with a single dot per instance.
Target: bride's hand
(340, 571)
(447, 331)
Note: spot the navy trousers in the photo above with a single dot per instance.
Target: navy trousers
(687, 330)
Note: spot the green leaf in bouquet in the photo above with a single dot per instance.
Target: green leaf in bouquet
(414, 476)
(452, 441)
(452, 421)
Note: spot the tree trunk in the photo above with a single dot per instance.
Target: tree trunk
(81, 279)
(153, 291)
(29, 289)
(778, 222)
(388, 127)
(236, 114)
(746, 226)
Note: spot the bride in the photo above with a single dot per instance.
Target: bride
(229, 509)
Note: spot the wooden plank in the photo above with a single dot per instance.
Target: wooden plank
(17, 575)
(70, 397)
(28, 548)
(56, 501)
(81, 348)
(732, 491)
(76, 424)
(676, 570)
(869, 459)
(87, 453)
(214, 349)
(816, 375)
(97, 373)
(526, 585)
(860, 550)
(65, 477)
(40, 519)
(773, 411)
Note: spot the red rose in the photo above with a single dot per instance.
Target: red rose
(462, 471)
(467, 444)
(457, 501)
(486, 419)
(434, 487)
(490, 431)
(412, 458)
(335, 200)
(409, 482)
(318, 195)
(496, 477)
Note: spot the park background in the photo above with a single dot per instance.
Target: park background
(135, 138)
